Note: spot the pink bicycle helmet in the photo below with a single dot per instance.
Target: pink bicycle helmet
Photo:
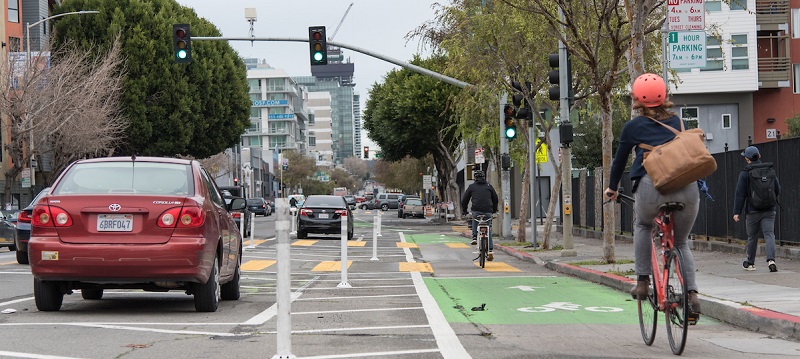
(650, 90)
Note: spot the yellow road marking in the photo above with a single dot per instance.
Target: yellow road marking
(406, 245)
(330, 266)
(257, 264)
(498, 267)
(256, 241)
(457, 245)
(304, 242)
(7, 263)
(459, 228)
(356, 244)
(415, 267)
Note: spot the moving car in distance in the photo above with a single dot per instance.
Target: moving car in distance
(259, 206)
(149, 223)
(322, 214)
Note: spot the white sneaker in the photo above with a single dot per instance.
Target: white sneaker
(772, 266)
(747, 266)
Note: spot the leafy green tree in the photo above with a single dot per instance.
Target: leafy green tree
(794, 126)
(408, 115)
(587, 149)
(300, 168)
(196, 109)
(405, 175)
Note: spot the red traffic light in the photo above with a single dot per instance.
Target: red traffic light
(509, 111)
(316, 35)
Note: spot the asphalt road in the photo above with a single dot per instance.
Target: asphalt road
(422, 296)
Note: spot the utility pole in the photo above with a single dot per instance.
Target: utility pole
(565, 130)
(505, 177)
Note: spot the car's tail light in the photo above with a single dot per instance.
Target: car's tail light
(236, 214)
(404, 207)
(44, 216)
(24, 217)
(341, 212)
(264, 206)
(306, 212)
(185, 217)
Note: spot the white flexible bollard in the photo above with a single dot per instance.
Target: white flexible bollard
(380, 216)
(344, 283)
(284, 278)
(252, 231)
(374, 239)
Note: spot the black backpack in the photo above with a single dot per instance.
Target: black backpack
(761, 190)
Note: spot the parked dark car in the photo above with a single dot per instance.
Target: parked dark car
(149, 223)
(371, 204)
(24, 228)
(323, 214)
(259, 206)
(8, 229)
(229, 192)
(351, 201)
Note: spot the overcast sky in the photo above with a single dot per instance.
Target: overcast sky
(376, 25)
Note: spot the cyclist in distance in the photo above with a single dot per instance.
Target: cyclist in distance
(649, 94)
(484, 202)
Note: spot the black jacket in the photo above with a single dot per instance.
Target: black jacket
(483, 196)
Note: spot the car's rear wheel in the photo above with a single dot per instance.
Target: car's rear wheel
(48, 295)
(230, 290)
(92, 293)
(384, 207)
(206, 296)
(22, 257)
(12, 248)
(301, 234)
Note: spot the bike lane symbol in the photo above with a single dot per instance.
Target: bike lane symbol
(553, 306)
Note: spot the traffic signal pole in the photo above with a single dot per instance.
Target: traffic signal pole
(505, 177)
(566, 153)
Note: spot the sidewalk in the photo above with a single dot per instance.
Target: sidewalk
(758, 300)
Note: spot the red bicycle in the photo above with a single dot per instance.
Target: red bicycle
(668, 291)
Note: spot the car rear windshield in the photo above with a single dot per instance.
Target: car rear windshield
(414, 202)
(127, 177)
(254, 201)
(324, 201)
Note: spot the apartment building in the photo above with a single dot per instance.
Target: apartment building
(320, 132)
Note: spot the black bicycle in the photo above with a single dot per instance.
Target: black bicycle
(482, 221)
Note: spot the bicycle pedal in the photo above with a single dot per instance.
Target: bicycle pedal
(693, 318)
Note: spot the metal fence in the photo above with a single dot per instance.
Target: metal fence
(715, 218)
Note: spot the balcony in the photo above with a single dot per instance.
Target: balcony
(772, 15)
(774, 72)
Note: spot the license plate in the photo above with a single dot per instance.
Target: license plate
(324, 216)
(114, 222)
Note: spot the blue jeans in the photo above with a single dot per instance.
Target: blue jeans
(475, 227)
(765, 222)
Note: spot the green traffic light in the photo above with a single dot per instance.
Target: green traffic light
(318, 56)
(511, 132)
(181, 54)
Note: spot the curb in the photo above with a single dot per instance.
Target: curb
(748, 317)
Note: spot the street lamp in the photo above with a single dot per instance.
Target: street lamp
(29, 26)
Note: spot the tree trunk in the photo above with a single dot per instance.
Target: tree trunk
(447, 174)
(555, 189)
(609, 218)
(525, 206)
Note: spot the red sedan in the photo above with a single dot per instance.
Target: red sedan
(148, 223)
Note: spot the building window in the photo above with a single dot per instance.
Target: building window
(255, 112)
(714, 59)
(726, 121)
(255, 85)
(739, 60)
(277, 141)
(689, 114)
(796, 77)
(713, 5)
(276, 85)
(278, 127)
(13, 11)
(312, 120)
(14, 44)
(795, 23)
(738, 4)
(277, 96)
(312, 141)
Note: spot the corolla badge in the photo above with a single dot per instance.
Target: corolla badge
(114, 207)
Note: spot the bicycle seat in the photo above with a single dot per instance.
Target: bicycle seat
(671, 206)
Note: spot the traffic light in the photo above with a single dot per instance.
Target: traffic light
(318, 44)
(181, 43)
(235, 181)
(510, 123)
(366, 152)
(521, 105)
(555, 79)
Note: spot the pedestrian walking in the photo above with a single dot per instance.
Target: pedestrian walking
(757, 194)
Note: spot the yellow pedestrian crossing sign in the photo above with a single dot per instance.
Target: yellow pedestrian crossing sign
(541, 151)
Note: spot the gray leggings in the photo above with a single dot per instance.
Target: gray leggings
(646, 208)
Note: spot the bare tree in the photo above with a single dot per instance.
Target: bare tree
(356, 166)
(62, 107)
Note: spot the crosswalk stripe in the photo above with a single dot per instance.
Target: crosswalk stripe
(415, 267)
(457, 245)
(356, 244)
(257, 264)
(406, 245)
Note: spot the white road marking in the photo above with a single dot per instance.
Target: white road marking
(272, 311)
(358, 297)
(3, 304)
(328, 330)
(189, 332)
(357, 310)
(28, 355)
(358, 355)
(446, 338)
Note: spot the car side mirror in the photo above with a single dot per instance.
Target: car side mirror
(237, 204)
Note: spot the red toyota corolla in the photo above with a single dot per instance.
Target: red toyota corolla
(148, 223)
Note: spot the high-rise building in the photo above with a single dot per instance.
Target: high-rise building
(357, 122)
(319, 129)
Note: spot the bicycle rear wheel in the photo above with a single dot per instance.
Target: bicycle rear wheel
(677, 303)
(484, 245)
(648, 315)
